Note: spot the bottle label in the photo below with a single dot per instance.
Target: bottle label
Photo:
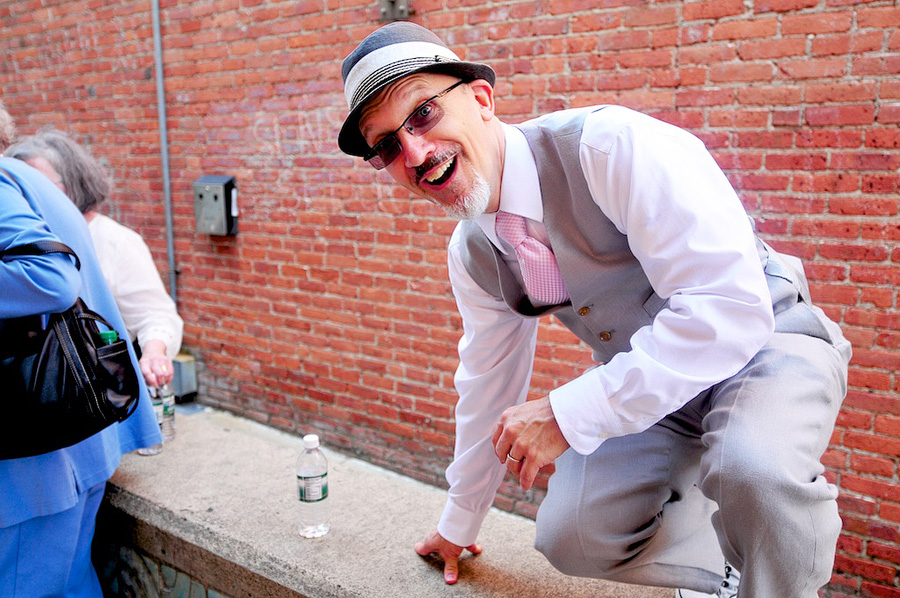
(313, 488)
(158, 409)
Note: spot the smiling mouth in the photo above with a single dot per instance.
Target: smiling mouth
(441, 174)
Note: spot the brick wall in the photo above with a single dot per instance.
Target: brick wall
(330, 310)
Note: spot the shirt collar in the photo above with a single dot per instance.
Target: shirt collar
(520, 189)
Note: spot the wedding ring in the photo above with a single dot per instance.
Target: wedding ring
(513, 459)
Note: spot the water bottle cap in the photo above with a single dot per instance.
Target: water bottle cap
(311, 441)
(109, 336)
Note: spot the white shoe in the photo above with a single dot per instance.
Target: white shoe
(728, 589)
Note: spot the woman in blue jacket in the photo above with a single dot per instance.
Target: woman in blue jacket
(49, 503)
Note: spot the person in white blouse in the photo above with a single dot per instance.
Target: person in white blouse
(698, 436)
(150, 314)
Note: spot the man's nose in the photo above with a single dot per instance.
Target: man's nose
(415, 149)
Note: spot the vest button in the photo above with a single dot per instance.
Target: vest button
(605, 336)
(583, 311)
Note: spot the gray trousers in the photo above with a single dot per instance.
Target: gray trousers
(736, 473)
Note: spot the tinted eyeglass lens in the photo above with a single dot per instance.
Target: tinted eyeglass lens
(384, 152)
(419, 122)
(423, 119)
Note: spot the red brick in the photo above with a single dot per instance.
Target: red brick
(707, 54)
(627, 40)
(741, 72)
(879, 591)
(787, 117)
(876, 65)
(654, 59)
(648, 16)
(890, 512)
(883, 138)
(705, 97)
(739, 119)
(886, 17)
(840, 115)
(864, 568)
(754, 49)
(889, 114)
(813, 68)
(783, 5)
(781, 95)
(816, 23)
(804, 161)
(745, 29)
(836, 92)
(711, 9)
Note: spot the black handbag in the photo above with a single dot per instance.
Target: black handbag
(63, 383)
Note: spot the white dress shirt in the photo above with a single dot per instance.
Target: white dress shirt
(685, 224)
(131, 275)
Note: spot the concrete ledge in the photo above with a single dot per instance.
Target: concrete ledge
(219, 505)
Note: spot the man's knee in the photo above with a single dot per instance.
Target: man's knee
(588, 548)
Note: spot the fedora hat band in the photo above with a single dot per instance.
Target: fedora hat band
(381, 66)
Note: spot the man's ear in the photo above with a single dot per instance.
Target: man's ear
(484, 95)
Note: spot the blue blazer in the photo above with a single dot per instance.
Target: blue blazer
(32, 209)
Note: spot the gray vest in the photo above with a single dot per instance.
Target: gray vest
(610, 296)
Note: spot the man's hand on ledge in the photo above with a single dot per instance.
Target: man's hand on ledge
(434, 543)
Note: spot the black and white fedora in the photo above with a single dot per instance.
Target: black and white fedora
(388, 54)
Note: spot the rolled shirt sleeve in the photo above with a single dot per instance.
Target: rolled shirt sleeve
(496, 356)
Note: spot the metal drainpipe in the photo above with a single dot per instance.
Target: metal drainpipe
(164, 147)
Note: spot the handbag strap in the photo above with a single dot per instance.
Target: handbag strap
(41, 248)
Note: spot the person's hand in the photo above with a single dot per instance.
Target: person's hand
(156, 367)
(434, 543)
(528, 440)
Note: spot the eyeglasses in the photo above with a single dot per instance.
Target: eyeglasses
(420, 121)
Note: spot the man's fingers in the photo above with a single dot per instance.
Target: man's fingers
(501, 444)
(447, 551)
(527, 475)
(451, 569)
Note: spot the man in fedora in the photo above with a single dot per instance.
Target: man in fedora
(699, 434)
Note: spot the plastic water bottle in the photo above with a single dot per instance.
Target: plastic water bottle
(157, 402)
(163, 400)
(167, 423)
(312, 487)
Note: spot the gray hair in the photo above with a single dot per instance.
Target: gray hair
(83, 178)
(7, 128)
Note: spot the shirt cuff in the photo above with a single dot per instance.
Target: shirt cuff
(584, 419)
(161, 334)
(458, 525)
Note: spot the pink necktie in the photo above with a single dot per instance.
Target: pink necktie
(540, 272)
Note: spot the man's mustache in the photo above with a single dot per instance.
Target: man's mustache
(431, 162)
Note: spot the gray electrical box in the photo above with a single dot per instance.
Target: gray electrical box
(215, 205)
(394, 10)
(184, 384)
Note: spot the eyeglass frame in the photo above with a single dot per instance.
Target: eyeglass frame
(373, 151)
